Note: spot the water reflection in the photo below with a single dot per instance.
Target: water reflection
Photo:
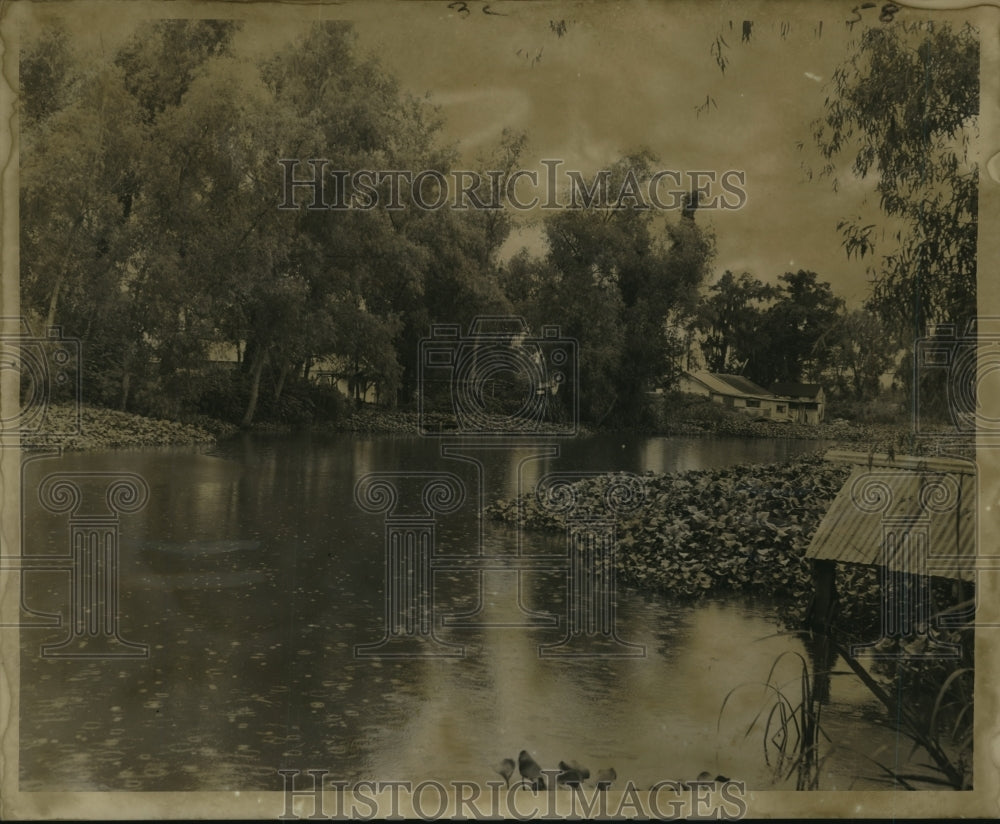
(253, 575)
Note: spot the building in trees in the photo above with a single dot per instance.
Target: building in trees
(797, 402)
(806, 401)
(735, 392)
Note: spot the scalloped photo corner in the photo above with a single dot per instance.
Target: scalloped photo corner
(494, 409)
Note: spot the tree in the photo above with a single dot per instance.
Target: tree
(72, 175)
(91, 249)
(150, 229)
(858, 352)
(365, 343)
(619, 282)
(163, 58)
(903, 109)
(405, 268)
(732, 319)
(804, 314)
(47, 75)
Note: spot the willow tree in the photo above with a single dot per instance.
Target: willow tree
(619, 279)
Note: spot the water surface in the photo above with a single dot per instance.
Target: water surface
(252, 574)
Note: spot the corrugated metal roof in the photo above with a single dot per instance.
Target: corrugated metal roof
(939, 503)
(731, 385)
(748, 387)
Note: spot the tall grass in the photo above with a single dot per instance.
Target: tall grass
(789, 725)
(789, 717)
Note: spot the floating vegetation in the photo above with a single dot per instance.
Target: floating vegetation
(743, 528)
(109, 429)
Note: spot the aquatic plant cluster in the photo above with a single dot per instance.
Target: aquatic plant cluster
(744, 528)
(73, 427)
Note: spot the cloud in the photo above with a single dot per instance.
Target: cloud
(479, 115)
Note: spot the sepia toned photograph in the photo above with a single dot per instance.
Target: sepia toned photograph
(499, 410)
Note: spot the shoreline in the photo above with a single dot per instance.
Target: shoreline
(99, 428)
(102, 428)
(738, 530)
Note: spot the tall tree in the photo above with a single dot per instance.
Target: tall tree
(618, 280)
(71, 176)
(404, 268)
(904, 109)
(732, 320)
(86, 242)
(47, 72)
(857, 352)
(162, 59)
(804, 314)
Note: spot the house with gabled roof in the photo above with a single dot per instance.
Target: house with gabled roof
(735, 392)
(806, 401)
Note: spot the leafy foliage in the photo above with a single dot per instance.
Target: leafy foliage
(804, 313)
(738, 529)
(732, 318)
(857, 351)
(791, 331)
(904, 109)
(620, 282)
(163, 240)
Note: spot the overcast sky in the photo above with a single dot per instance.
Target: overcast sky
(623, 76)
(589, 82)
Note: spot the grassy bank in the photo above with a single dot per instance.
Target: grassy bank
(109, 429)
(690, 415)
(702, 420)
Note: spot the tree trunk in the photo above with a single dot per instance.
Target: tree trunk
(280, 384)
(126, 385)
(255, 373)
(50, 317)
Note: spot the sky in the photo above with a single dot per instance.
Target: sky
(589, 82)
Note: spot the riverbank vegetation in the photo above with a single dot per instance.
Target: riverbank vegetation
(72, 427)
(745, 529)
(739, 529)
(326, 411)
(163, 252)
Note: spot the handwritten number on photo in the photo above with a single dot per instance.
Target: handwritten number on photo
(887, 13)
(462, 7)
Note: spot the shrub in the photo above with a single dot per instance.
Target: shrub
(882, 410)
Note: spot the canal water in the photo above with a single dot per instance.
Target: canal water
(253, 576)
